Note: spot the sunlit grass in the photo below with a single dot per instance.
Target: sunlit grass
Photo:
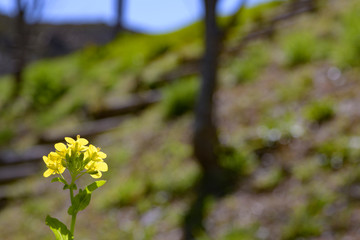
(285, 107)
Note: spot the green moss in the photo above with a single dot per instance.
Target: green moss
(277, 129)
(268, 180)
(172, 172)
(347, 48)
(241, 162)
(338, 152)
(302, 227)
(6, 134)
(174, 182)
(38, 207)
(307, 169)
(259, 12)
(297, 88)
(299, 48)
(308, 218)
(248, 233)
(151, 75)
(319, 111)
(45, 86)
(179, 98)
(128, 192)
(250, 64)
(6, 87)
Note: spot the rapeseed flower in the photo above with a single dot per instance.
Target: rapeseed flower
(61, 150)
(94, 154)
(54, 164)
(95, 161)
(77, 157)
(95, 168)
(77, 145)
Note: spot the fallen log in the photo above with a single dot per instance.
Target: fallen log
(186, 69)
(106, 119)
(16, 172)
(31, 155)
(87, 130)
(133, 105)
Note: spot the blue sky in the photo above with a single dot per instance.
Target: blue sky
(152, 16)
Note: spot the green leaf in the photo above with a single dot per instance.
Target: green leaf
(59, 229)
(73, 186)
(95, 185)
(71, 211)
(80, 202)
(82, 199)
(59, 179)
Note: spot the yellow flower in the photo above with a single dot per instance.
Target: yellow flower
(61, 149)
(53, 163)
(96, 163)
(94, 154)
(77, 157)
(95, 168)
(78, 144)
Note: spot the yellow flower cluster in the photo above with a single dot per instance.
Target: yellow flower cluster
(76, 157)
(53, 162)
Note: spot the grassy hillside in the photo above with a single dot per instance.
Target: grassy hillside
(287, 108)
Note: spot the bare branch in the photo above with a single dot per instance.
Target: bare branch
(233, 19)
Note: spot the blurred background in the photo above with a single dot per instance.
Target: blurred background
(131, 76)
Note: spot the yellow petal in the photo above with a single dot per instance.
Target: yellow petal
(102, 155)
(102, 166)
(61, 169)
(48, 172)
(92, 148)
(96, 175)
(53, 155)
(82, 141)
(60, 147)
(69, 140)
(45, 158)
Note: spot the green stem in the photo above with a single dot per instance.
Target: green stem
(80, 175)
(73, 217)
(73, 220)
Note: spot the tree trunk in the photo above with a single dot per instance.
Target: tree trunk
(119, 25)
(205, 139)
(20, 49)
(216, 180)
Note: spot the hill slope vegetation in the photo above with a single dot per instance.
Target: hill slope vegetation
(287, 108)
